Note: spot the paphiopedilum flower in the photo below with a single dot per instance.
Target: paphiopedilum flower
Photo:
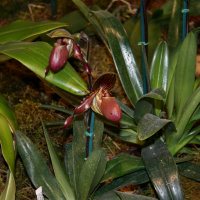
(100, 100)
(65, 47)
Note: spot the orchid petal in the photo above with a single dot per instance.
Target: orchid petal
(86, 104)
(77, 51)
(87, 68)
(111, 109)
(58, 57)
(68, 121)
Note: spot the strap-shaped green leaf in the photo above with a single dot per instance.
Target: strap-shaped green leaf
(134, 178)
(159, 66)
(187, 112)
(190, 170)
(78, 150)
(146, 103)
(127, 135)
(60, 173)
(56, 108)
(149, 125)
(110, 196)
(185, 73)
(20, 30)
(35, 56)
(37, 168)
(171, 80)
(175, 26)
(92, 19)
(77, 20)
(27, 30)
(122, 55)
(162, 171)
(9, 190)
(122, 164)
(125, 108)
(125, 196)
(92, 172)
(159, 71)
(7, 147)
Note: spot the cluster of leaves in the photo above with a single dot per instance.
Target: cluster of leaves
(171, 83)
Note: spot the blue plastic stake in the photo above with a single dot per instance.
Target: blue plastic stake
(53, 7)
(184, 11)
(143, 41)
(91, 131)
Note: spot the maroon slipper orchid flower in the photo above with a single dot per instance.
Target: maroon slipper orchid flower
(100, 100)
(65, 47)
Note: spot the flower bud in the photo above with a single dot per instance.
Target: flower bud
(58, 57)
(87, 68)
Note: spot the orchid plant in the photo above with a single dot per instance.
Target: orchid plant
(147, 125)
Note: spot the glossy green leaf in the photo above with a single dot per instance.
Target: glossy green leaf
(3, 101)
(184, 140)
(145, 103)
(92, 172)
(175, 25)
(78, 149)
(185, 72)
(127, 135)
(56, 108)
(9, 115)
(20, 30)
(129, 25)
(7, 148)
(159, 71)
(171, 80)
(159, 66)
(126, 196)
(92, 19)
(110, 196)
(162, 15)
(122, 55)
(6, 141)
(184, 159)
(194, 6)
(77, 20)
(195, 140)
(35, 56)
(196, 84)
(190, 170)
(125, 108)
(149, 125)
(10, 189)
(68, 159)
(189, 109)
(78, 153)
(162, 171)
(134, 178)
(37, 168)
(122, 164)
(60, 173)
